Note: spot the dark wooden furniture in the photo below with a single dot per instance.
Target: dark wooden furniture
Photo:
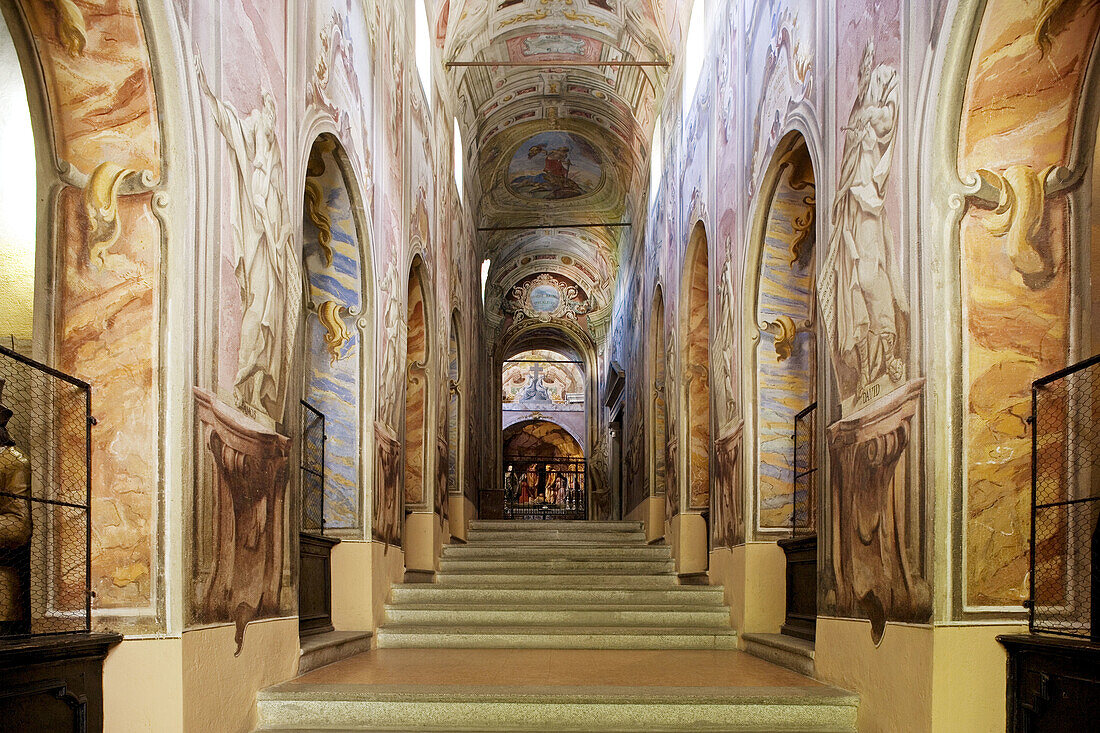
(53, 683)
(1053, 683)
(315, 584)
(801, 618)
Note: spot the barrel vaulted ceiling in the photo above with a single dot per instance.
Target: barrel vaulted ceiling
(556, 100)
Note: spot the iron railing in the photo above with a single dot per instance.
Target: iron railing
(804, 494)
(313, 469)
(45, 499)
(544, 488)
(1065, 493)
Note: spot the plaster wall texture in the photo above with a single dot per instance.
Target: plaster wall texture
(968, 690)
(894, 679)
(219, 688)
(143, 686)
(753, 576)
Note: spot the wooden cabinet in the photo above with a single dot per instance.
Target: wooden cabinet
(1053, 684)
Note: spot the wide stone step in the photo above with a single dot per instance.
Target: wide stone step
(558, 525)
(669, 616)
(626, 580)
(533, 552)
(419, 593)
(437, 708)
(482, 537)
(551, 566)
(394, 636)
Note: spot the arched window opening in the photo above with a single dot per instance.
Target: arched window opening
(543, 418)
(18, 202)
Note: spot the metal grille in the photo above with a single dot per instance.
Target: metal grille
(1065, 480)
(313, 469)
(544, 488)
(804, 498)
(45, 494)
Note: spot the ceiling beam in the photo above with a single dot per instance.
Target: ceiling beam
(555, 64)
(552, 226)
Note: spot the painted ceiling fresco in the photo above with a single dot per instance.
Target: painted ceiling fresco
(556, 101)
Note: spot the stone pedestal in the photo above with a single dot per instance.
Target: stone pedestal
(249, 532)
(872, 556)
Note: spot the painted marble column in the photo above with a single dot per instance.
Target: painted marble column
(872, 560)
(250, 482)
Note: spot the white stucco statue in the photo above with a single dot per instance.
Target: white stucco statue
(862, 299)
(267, 268)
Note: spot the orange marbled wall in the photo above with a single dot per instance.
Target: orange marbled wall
(1020, 108)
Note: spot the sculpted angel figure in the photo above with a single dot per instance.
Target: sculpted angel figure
(267, 268)
(866, 305)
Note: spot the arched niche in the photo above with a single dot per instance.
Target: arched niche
(455, 417)
(658, 406)
(1018, 128)
(86, 276)
(418, 494)
(696, 372)
(784, 357)
(689, 525)
(337, 340)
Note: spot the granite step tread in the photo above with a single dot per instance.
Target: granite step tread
(672, 618)
(579, 581)
(293, 706)
(435, 593)
(395, 636)
(556, 524)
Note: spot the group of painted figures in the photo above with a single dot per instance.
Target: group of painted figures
(545, 483)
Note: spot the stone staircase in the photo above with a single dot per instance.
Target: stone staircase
(555, 626)
(556, 585)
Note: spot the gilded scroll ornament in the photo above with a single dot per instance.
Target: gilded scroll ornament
(1018, 217)
(101, 205)
(71, 29)
(315, 210)
(784, 331)
(336, 334)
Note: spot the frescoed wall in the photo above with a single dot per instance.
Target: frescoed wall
(331, 251)
(786, 355)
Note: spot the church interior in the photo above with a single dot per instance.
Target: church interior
(549, 365)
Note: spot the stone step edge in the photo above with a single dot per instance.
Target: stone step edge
(466, 630)
(568, 608)
(560, 694)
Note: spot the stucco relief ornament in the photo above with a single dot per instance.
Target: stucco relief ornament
(546, 298)
(266, 267)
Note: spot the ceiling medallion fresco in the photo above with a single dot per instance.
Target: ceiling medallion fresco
(554, 165)
(545, 298)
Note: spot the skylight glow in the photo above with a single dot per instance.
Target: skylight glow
(693, 50)
(459, 156)
(423, 49)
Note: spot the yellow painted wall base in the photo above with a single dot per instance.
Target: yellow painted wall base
(651, 513)
(690, 537)
(220, 689)
(352, 570)
(422, 540)
(970, 678)
(460, 511)
(143, 686)
(755, 582)
(389, 568)
(893, 680)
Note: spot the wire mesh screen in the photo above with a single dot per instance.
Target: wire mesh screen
(313, 468)
(544, 488)
(45, 489)
(1065, 546)
(804, 500)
